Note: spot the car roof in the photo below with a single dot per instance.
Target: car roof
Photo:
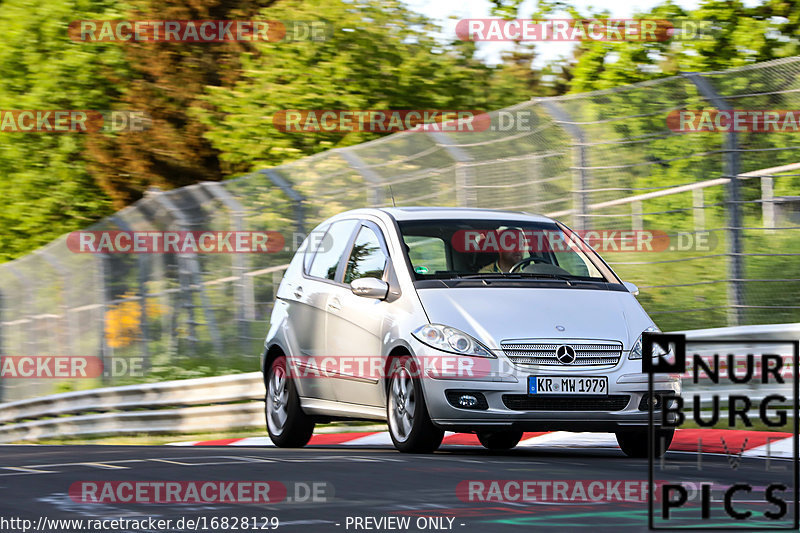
(443, 213)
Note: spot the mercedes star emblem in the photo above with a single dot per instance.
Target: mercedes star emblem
(565, 354)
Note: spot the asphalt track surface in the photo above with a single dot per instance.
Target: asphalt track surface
(363, 481)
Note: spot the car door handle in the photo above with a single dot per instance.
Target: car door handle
(335, 305)
(298, 292)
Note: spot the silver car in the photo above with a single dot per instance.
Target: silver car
(465, 320)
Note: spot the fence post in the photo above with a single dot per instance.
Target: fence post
(734, 219)
(288, 190)
(637, 223)
(106, 351)
(26, 323)
(465, 178)
(375, 182)
(141, 282)
(580, 175)
(698, 209)
(768, 201)
(239, 261)
(30, 333)
(67, 330)
(192, 274)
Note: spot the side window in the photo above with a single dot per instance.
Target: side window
(311, 244)
(326, 260)
(427, 254)
(576, 264)
(367, 260)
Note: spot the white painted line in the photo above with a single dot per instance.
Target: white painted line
(28, 470)
(779, 449)
(181, 463)
(567, 439)
(371, 440)
(106, 466)
(252, 441)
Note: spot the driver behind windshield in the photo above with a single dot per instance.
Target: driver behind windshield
(507, 256)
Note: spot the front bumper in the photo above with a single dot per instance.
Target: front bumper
(508, 406)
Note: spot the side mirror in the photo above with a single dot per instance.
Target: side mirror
(633, 289)
(370, 288)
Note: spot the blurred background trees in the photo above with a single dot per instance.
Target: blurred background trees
(211, 104)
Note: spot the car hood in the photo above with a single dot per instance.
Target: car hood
(495, 314)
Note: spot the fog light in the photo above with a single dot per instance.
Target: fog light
(657, 400)
(467, 400)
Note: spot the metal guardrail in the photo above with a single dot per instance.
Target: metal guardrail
(184, 420)
(184, 406)
(206, 404)
(746, 333)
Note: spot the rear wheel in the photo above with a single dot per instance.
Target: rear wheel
(499, 440)
(410, 425)
(634, 443)
(288, 426)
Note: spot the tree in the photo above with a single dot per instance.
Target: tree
(735, 35)
(167, 80)
(379, 55)
(45, 189)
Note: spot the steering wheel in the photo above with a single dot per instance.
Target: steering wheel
(525, 262)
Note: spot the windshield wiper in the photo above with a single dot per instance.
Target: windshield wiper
(519, 275)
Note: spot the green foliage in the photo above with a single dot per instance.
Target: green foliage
(735, 34)
(167, 80)
(45, 189)
(379, 55)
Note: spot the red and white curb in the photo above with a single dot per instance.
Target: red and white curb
(754, 443)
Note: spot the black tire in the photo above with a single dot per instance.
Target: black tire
(414, 434)
(499, 441)
(634, 442)
(297, 427)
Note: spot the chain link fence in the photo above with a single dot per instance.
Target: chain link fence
(599, 161)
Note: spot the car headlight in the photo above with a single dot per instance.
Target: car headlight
(450, 340)
(636, 350)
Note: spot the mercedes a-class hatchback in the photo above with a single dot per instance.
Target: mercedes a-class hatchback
(465, 320)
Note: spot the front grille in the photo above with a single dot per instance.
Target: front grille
(595, 353)
(589, 402)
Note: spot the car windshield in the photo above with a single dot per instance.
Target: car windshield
(518, 249)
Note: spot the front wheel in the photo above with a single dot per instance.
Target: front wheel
(288, 426)
(634, 442)
(410, 425)
(499, 441)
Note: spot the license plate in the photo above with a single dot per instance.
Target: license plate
(567, 385)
